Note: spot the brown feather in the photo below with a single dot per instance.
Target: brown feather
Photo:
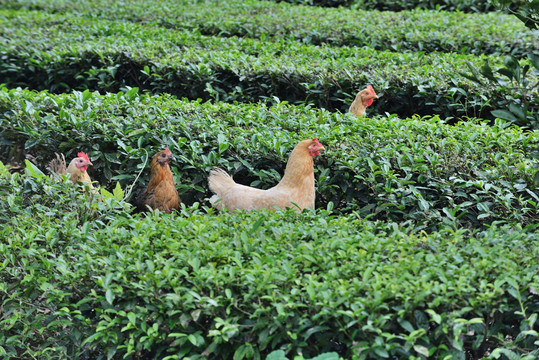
(58, 165)
(161, 191)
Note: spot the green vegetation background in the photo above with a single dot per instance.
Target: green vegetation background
(424, 240)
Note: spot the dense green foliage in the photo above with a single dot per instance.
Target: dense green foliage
(423, 243)
(57, 52)
(513, 76)
(418, 170)
(399, 5)
(525, 10)
(413, 31)
(170, 285)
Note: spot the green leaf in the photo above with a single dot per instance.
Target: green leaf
(513, 66)
(105, 194)
(111, 351)
(506, 72)
(381, 352)
(510, 354)
(486, 71)
(277, 355)
(518, 111)
(406, 325)
(327, 356)
(534, 59)
(193, 339)
(504, 114)
(256, 225)
(434, 316)
(118, 192)
(511, 62)
(132, 317)
(33, 170)
(109, 296)
(422, 350)
(475, 73)
(240, 352)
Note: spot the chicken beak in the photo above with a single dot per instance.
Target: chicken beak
(89, 163)
(171, 157)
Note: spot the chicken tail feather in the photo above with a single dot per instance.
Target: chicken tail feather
(219, 181)
(58, 166)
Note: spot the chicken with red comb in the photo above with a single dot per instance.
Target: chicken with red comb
(363, 99)
(77, 168)
(161, 191)
(295, 190)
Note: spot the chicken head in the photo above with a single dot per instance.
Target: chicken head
(82, 161)
(164, 157)
(363, 99)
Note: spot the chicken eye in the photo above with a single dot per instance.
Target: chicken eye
(162, 155)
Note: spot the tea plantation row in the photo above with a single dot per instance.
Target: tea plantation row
(399, 5)
(63, 52)
(88, 280)
(424, 240)
(418, 170)
(407, 31)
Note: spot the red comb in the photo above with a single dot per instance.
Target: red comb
(369, 87)
(168, 151)
(83, 155)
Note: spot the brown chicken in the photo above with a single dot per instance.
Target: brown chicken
(161, 192)
(296, 189)
(76, 169)
(363, 99)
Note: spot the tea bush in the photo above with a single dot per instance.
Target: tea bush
(88, 280)
(399, 5)
(418, 169)
(405, 31)
(60, 53)
(424, 240)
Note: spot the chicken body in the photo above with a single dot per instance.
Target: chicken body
(295, 190)
(363, 99)
(76, 169)
(161, 191)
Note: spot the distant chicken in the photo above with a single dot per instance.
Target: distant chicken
(161, 192)
(77, 168)
(363, 99)
(296, 186)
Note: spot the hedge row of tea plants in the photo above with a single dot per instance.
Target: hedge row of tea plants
(418, 169)
(399, 5)
(64, 52)
(86, 279)
(406, 31)
(424, 240)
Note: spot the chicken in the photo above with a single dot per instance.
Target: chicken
(161, 192)
(76, 169)
(296, 189)
(363, 99)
